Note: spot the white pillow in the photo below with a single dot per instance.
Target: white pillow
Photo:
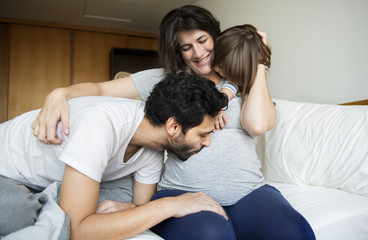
(318, 144)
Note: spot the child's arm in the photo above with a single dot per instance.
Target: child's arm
(230, 90)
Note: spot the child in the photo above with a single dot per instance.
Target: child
(238, 52)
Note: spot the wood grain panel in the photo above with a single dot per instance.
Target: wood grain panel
(40, 61)
(142, 43)
(91, 55)
(4, 71)
(361, 102)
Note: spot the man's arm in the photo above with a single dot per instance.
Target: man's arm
(79, 197)
(143, 193)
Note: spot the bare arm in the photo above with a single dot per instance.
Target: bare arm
(79, 196)
(258, 111)
(56, 108)
(143, 193)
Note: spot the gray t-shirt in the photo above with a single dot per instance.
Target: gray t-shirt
(227, 170)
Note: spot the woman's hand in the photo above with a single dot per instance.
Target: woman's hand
(109, 206)
(55, 108)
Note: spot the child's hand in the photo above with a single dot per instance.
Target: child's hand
(221, 120)
(264, 37)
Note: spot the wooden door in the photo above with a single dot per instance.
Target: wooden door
(4, 71)
(40, 61)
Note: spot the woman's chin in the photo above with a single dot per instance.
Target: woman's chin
(203, 70)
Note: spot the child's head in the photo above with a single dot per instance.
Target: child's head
(238, 51)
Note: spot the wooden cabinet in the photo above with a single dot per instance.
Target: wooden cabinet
(39, 61)
(37, 57)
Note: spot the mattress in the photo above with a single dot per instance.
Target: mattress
(332, 213)
(146, 235)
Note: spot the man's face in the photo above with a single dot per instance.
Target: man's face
(193, 141)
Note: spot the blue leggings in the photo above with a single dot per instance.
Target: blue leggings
(262, 214)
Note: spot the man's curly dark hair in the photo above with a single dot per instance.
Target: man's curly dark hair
(186, 97)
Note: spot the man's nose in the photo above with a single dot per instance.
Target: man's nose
(207, 141)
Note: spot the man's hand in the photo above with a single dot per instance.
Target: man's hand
(189, 203)
(109, 206)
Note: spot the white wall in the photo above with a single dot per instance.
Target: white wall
(319, 47)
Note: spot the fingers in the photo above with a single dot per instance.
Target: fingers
(65, 122)
(50, 132)
(221, 120)
(217, 124)
(221, 123)
(45, 132)
(214, 206)
(264, 37)
(196, 202)
(39, 131)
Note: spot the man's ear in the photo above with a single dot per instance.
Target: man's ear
(172, 127)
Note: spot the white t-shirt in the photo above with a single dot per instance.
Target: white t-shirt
(101, 129)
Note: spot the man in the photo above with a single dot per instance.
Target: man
(111, 139)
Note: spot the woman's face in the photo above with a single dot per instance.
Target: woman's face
(196, 47)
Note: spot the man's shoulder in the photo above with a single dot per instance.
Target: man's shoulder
(102, 109)
(91, 103)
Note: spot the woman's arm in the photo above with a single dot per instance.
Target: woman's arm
(258, 111)
(56, 108)
(79, 196)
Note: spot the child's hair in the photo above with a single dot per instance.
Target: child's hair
(238, 51)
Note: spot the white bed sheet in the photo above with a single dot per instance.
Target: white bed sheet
(146, 235)
(332, 213)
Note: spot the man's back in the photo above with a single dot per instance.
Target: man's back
(101, 128)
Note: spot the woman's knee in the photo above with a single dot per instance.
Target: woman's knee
(215, 227)
(202, 226)
(297, 228)
(266, 214)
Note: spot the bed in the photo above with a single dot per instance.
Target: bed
(317, 156)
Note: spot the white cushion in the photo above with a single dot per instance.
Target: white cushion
(332, 213)
(318, 144)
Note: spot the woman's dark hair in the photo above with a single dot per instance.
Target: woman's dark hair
(238, 51)
(185, 18)
(186, 97)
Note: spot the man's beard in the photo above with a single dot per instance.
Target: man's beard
(180, 148)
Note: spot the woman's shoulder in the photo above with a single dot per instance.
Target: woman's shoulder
(154, 72)
(145, 80)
